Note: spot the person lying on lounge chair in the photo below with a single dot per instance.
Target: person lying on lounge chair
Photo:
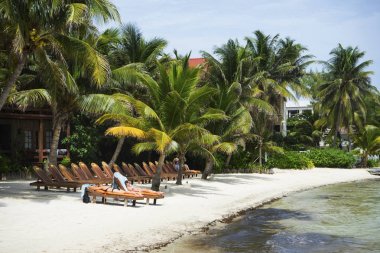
(125, 185)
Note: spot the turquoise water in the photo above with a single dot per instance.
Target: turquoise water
(338, 218)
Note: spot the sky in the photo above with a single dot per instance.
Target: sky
(196, 25)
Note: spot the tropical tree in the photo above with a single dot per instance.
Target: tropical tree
(172, 118)
(43, 29)
(132, 48)
(341, 96)
(276, 68)
(226, 73)
(368, 140)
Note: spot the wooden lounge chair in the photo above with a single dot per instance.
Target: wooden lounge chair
(153, 168)
(45, 180)
(107, 192)
(126, 173)
(86, 170)
(142, 175)
(107, 170)
(66, 173)
(100, 174)
(147, 193)
(70, 177)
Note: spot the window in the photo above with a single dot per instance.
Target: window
(48, 139)
(28, 139)
(292, 113)
(5, 137)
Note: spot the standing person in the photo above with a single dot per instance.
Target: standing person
(176, 164)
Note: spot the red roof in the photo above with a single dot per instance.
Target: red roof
(193, 62)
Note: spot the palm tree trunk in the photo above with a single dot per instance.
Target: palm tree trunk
(181, 163)
(54, 143)
(156, 180)
(228, 160)
(208, 168)
(117, 151)
(12, 79)
(260, 153)
(365, 160)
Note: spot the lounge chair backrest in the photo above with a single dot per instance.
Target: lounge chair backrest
(166, 169)
(129, 171)
(117, 169)
(147, 170)
(98, 171)
(153, 167)
(140, 170)
(55, 173)
(78, 172)
(170, 167)
(86, 170)
(135, 171)
(107, 170)
(42, 175)
(66, 173)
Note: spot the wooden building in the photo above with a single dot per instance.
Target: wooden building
(27, 136)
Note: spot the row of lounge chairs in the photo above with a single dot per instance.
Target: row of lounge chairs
(80, 174)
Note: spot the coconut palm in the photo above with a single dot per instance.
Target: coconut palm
(277, 66)
(341, 96)
(129, 48)
(42, 29)
(368, 140)
(172, 119)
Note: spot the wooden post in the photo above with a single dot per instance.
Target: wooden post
(41, 142)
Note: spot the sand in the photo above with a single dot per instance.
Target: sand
(57, 221)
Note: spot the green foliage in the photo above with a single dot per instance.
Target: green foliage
(331, 158)
(373, 163)
(66, 161)
(300, 132)
(290, 160)
(4, 164)
(241, 160)
(83, 141)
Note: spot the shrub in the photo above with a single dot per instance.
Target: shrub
(331, 158)
(373, 163)
(290, 160)
(4, 164)
(66, 161)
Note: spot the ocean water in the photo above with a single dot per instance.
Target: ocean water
(337, 218)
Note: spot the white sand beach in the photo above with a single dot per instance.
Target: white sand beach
(57, 221)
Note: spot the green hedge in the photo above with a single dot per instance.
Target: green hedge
(331, 158)
(290, 160)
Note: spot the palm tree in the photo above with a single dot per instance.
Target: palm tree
(172, 119)
(277, 66)
(341, 96)
(42, 28)
(368, 140)
(130, 48)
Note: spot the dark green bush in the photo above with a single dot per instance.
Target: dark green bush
(331, 158)
(290, 160)
(373, 163)
(4, 164)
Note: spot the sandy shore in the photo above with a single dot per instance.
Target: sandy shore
(56, 221)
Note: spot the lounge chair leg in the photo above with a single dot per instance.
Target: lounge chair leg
(46, 188)
(38, 188)
(75, 189)
(154, 201)
(134, 203)
(147, 201)
(68, 189)
(94, 199)
(125, 202)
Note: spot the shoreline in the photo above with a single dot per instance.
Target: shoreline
(42, 217)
